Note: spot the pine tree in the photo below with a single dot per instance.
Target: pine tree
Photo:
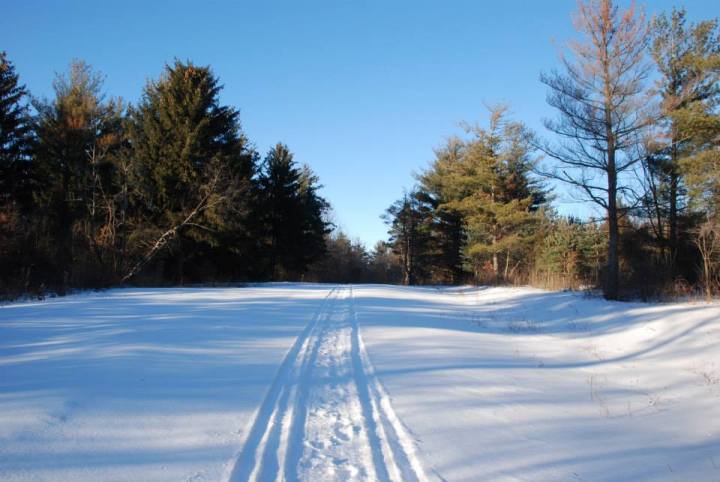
(410, 227)
(14, 133)
(684, 58)
(697, 122)
(487, 181)
(75, 133)
(601, 102)
(448, 230)
(15, 188)
(570, 254)
(191, 172)
(315, 226)
(291, 215)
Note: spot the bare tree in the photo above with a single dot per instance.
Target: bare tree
(602, 108)
(708, 243)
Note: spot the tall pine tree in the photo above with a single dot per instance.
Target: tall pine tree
(688, 80)
(487, 181)
(191, 177)
(75, 132)
(15, 188)
(291, 215)
(14, 133)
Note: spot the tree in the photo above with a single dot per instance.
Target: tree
(345, 261)
(14, 132)
(409, 235)
(487, 182)
(15, 188)
(385, 267)
(191, 177)
(602, 112)
(447, 230)
(315, 227)
(291, 215)
(570, 254)
(686, 58)
(76, 132)
(502, 210)
(708, 243)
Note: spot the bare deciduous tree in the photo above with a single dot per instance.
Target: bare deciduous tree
(708, 243)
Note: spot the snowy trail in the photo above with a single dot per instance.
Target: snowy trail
(326, 416)
(497, 383)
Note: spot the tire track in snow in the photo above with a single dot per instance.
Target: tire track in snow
(326, 416)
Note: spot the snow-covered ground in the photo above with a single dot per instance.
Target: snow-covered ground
(318, 382)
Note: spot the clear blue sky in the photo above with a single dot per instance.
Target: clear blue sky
(360, 90)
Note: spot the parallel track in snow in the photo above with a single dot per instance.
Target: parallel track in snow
(326, 415)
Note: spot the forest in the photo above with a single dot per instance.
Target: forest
(170, 191)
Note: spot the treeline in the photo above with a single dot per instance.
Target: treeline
(637, 134)
(168, 191)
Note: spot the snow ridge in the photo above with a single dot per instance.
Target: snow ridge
(326, 415)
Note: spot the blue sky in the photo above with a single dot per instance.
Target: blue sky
(360, 90)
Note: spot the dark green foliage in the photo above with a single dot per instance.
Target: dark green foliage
(77, 134)
(410, 228)
(167, 191)
(191, 171)
(176, 132)
(15, 188)
(571, 254)
(687, 58)
(291, 215)
(476, 211)
(14, 134)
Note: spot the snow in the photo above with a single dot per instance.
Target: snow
(135, 384)
(367, 382)
(521, 384)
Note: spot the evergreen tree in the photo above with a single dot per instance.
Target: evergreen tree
(291, 214)
(684, 58)
(487, 181)
(14, 133)
(191, 176)
(698, 122)
(15, 188)
(697, 119)
(570, 255)
(311, 243)
(448, 230)
(75, 132)
(601, 102)
(409, 224)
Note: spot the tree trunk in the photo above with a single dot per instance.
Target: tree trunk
(507, 264)
(612, 283)
(673, 215)
(495, 262)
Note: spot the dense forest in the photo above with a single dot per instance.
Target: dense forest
(170, 191)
